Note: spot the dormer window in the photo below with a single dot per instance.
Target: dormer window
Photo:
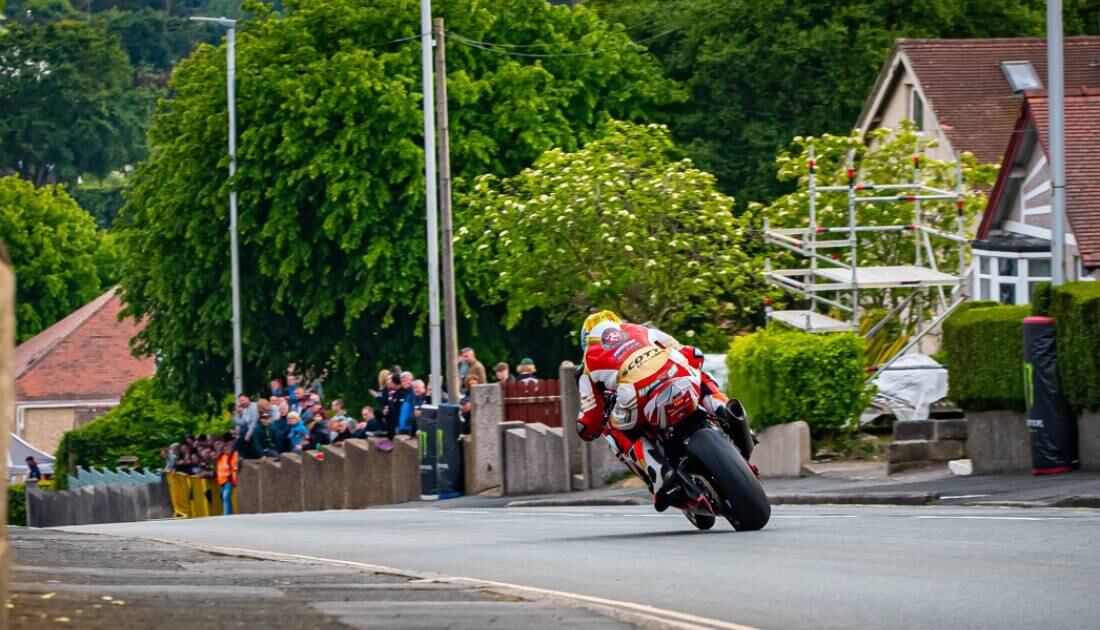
(1021, 76)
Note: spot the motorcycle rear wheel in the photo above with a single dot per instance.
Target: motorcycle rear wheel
(743, 501)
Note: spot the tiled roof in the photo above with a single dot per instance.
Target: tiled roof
(1082, 131)
(965, 87)
(85, 356)
(1082, 165)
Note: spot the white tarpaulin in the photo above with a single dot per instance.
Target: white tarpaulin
(916, 388)
(19, 450)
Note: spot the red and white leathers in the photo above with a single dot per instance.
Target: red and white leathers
(652, 374)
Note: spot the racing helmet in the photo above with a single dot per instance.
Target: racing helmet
(594, 320)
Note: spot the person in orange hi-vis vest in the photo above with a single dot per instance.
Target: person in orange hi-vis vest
(226, 471)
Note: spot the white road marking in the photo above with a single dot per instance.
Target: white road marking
(993, 518)
(627, 611)
(963, 496)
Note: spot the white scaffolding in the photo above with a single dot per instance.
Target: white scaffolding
(831, 283)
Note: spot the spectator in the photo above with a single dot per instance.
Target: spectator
(391, 409)
(298, 399)
(504, 373)
(471, 380)
(244, 422)
(407, 380)
(33, 472)
(383, 378)
(318, 427)
(526, 370)
(281, 426)
(297, 433)
(227, 474)
(370, 426)
(264, 437)
(338, 430)
(171, 454)
(470, 365)
(465, 410)
(277, 389)
(338, 410)
(410, 410)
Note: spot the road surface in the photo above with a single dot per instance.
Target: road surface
(812, 567)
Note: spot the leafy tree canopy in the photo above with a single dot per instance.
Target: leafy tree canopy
(626, 223)
(60, 259)
(331, 176)
(66, 90)
(763, 71)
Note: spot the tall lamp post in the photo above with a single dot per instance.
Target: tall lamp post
(231, 80)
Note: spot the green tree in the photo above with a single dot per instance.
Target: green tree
(886, 159)
(626, 223)
(55, 249)
(763, 71)
(70, 107)
(154, 39)
(331, 177)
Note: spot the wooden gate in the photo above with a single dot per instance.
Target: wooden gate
(533, 401)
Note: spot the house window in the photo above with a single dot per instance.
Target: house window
(1010, 277)
(916, 109)
(1021, 76)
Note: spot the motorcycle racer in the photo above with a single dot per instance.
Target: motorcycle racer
(653, 374)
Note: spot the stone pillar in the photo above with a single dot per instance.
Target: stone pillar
(274, 495)
(334, 478)
(101, 505)
(380, 484)
(292, 482)
(7, 409)
(602, 463)
(160, 503)
(544, 459)
(783, 450)
(361, 462)
(514, 456)
(1088, 440)
(482, 470)
(406, 470)
(313, 485)
(570, 409)
(998, 442)
(248, 487)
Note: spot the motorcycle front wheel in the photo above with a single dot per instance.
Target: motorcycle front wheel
(743, 501)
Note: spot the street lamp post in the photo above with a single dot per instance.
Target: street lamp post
(231, 92)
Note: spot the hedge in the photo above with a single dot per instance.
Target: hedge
(142, 424)
(785, 375)
(985, 355)
(1075, 308)
(17, 504)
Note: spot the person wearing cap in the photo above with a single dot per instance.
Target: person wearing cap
(503, 372)
(526, 370)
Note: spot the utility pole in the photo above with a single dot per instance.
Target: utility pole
(1057, 92)
(431, 199)
(231, 96)
(450, 311)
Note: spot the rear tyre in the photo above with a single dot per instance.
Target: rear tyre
(743, 501)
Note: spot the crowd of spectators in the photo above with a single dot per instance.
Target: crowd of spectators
(293, 417)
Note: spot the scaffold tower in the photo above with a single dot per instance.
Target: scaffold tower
(835, 283)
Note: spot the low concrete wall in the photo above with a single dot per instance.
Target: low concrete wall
(998, 441)
(783, 450)
(483, 463)
(1088, 440)
(97, 504)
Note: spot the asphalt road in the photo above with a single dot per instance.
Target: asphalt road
(812, 567)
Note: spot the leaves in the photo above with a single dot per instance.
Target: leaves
(61, 260)
(624, 223)
(330, 178)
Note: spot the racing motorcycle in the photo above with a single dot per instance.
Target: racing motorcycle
(705, 468)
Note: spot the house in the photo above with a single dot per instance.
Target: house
(967, 92)
(1012, 250)
(75, 371)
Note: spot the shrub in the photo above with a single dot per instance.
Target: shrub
(786, 375)
(985, 355)
(17, 504)
(1040, 299)
(1076, 311)
(142, 424)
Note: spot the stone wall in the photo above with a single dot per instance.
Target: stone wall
(7, 408)
(783, 450)
(1088, 440)
(359, 474)
(998, 442)
(97, 504)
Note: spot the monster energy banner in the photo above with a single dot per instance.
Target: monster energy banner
(449, 451)
(438, 430)
(427, 432)
(1049, 419)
